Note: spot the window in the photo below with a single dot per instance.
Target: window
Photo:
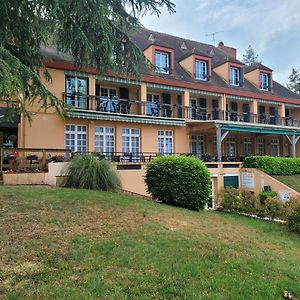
(197, 145)
(131, 140)
(231, 146)
(105, 140)
(152, 105)
(261, 147)
(75, 138)
(201, 70)
(76, 91)
(231, 181)
(108, 92)
(264, 81)
(162, 62)
(274, 147)
(247, 146)
(234, 76)
(165, 141)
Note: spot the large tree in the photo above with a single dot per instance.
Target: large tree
(294, 79)
(94, 32)
(250, 57)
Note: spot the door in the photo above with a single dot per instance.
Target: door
(273, 116)
(197, 145)
(261, 116)
(179, 106)
(166, 100)
(203, 110)
(233, 111)
(246, 112)
(215, 107)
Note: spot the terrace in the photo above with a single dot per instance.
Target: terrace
(159, 109)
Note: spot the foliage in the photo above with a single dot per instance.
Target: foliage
(266, 205)
(294, 79)
(266, 194)
(58, 158)
(94, 33)
(294, 219)
(239, 201)
(250, 58)
(274, 165)
(179, 180)
(274, 208)
(88, 172)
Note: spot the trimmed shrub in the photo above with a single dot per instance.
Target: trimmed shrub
(88, 172)
(274, 165)
(266, 194)
(179, 181)
(293, 220)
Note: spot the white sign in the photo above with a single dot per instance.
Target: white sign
(248, 180)
(284, 195)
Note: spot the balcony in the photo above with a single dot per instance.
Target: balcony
(160, 110)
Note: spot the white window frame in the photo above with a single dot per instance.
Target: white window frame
(105, 140)
(234, 76)
(153, 97)
(130, 136)
(160, 68)
(80, 99)
(165, 141)
(231, 141)
(247, 146)
(261, 146)
(201, 70)
(264, 81)
(80, 143)
(111, 92)
(275, 151)
(197, 141)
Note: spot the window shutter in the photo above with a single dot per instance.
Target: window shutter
(269, 82)
(241, 79)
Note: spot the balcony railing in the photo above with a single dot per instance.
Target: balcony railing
(116, 105)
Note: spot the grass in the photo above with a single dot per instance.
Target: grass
(78, 244)
(293, 181)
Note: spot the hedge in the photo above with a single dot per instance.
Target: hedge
(237, 200)
(179, 181)
(274, 165)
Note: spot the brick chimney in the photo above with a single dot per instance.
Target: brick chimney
(227, 50)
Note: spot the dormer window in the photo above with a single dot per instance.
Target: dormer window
(162, 62)
(264, 81)
(201, 70)
(236, 76)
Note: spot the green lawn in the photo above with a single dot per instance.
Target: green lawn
(78, 244)
(293, 181)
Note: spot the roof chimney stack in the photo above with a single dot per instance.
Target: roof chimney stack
(227, 50)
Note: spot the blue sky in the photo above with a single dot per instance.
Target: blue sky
(271, 27)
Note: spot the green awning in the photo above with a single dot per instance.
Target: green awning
(261, 130)
(126, 118)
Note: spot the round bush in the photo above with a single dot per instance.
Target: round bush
(179, 180)
(89, 172)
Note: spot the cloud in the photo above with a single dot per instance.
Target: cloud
(270, 26)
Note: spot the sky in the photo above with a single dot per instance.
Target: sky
(271, 27)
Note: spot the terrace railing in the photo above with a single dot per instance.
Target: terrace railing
(30, 159)
(116, 105)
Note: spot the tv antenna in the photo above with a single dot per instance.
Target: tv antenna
(213, 36)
